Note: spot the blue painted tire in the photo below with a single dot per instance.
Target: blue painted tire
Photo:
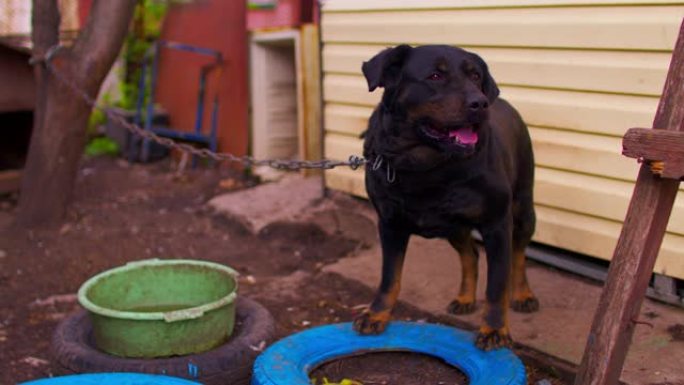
(112, 379)
(289, 361)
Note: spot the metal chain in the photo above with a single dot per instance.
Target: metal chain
(353, 162)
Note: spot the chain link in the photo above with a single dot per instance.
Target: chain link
(353, 162)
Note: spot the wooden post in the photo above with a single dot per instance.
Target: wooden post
(637, 248)
(310, 138)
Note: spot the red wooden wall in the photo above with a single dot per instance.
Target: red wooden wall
(219, 25)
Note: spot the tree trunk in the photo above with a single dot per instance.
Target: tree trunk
(61, 117)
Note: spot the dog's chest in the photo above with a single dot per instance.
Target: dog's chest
(439, 214)
(437, 209)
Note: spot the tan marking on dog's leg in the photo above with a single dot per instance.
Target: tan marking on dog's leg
(464, 303)
(523, 300)
(374, 319)
(494, 332)
(394, 241)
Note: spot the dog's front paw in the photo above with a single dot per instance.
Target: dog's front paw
(461, 307)
(489, 339)
(525, 305)
(370, 322)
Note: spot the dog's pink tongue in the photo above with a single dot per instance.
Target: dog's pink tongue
(465, 135)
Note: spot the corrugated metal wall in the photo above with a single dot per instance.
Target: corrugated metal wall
(580, 72)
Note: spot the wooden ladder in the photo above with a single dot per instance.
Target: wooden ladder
(661, 153)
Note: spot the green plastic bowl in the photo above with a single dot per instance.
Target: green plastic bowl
(160, 308)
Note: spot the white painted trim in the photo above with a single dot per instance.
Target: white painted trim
(275, 36)
(258, 65)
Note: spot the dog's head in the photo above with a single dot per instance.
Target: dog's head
(442, 92)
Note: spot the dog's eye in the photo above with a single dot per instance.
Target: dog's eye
(435, 76)
(475, 76)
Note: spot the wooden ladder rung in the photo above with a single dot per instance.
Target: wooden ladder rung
(663, 150)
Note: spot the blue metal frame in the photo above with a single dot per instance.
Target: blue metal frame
(210, 139)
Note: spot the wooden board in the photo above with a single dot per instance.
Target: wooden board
(595, 236)
(605, 114)
(662, 148)
(608, 114)
(404, 5)
(593, 196)
(639, 73)
(615, 27)
(345, 119)
(589, 154)
(347, 180)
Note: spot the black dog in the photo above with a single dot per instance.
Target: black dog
(447, 156)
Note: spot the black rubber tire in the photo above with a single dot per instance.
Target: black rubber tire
(230, 363)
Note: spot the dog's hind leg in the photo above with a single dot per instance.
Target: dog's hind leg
(522, 298)
(465, 300)
(374, 319)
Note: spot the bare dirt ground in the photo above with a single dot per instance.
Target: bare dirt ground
(125, 212)
(373, 369)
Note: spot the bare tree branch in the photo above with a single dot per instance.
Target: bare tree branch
(105, 28)
(44, 25)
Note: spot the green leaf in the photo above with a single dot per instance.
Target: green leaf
(102, 146)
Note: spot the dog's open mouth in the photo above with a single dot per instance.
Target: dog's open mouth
(465, 135)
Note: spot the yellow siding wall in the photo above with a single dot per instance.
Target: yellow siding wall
(580, 72)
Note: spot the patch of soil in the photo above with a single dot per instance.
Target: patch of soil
(677, 332)
(305, 242)
(390, 368)
(124, 212)
(668, 383)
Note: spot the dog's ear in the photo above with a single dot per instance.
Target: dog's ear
(489, 87)
(384, 69)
